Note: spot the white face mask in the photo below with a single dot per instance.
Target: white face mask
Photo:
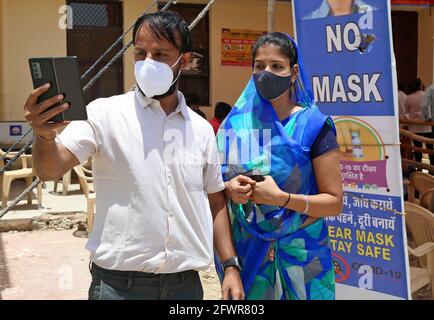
(154, 78)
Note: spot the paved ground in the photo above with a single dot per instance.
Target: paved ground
(53, 265)
(47, 265)
(52, 202)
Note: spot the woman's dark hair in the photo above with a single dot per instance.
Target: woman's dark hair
(165, 25)
(279, 40)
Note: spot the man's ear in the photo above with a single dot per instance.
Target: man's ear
(185, 60)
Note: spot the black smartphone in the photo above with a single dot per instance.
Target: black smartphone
(64, 76)
(256, 177)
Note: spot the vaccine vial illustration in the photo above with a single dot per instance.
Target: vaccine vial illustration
(357, 144)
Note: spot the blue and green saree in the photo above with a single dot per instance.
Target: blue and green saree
(253, 140)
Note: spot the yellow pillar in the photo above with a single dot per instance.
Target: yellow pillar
(271, 15)
(132, 10)
(432, 37)
(2, 56)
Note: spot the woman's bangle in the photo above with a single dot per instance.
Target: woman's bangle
(307, 203)
(287, 201)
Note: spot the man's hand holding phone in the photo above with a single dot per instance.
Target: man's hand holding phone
(38, 116)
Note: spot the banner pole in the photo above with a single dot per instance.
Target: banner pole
(271, 15)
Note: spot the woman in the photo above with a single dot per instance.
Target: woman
(278, 224)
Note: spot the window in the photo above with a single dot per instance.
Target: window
(96, 26)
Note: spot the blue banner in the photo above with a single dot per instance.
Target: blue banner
(347, 56)
(367, 243)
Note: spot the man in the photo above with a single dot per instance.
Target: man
(427, 111)
(339, 8)
(401, 101)
(428, 103)
(414, 109)
(405, 153)
(221, 111)
(156, 175)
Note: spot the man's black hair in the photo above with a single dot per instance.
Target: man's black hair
(222, 110)
(279, 40)
(166, 25)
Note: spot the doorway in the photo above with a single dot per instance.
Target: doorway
(405, 26)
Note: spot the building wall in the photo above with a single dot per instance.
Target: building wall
(2, 56)
(24, 35)
(426, 44)
(227, 82)
(133, 9)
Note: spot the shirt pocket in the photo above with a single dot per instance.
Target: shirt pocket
(192, 176)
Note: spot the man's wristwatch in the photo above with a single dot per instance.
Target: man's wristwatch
(235, 261)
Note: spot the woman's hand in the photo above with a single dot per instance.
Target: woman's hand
(240, 189)
(268, 192)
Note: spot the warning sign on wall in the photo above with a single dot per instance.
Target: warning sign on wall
(237, 46)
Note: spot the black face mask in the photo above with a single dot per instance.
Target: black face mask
(271, 86)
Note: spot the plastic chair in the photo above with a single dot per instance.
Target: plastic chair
(26, 171)
(85, 177)
(427, 200)
(66, 181)
(421, 182)
(420, 223)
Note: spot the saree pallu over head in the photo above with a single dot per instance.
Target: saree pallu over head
(252, 140)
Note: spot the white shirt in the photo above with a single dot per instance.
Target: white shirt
(413, 106)
(401, 104)
(428, 103)
(401, 107)
(152, 174)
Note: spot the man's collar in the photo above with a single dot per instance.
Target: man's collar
(146, 102)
